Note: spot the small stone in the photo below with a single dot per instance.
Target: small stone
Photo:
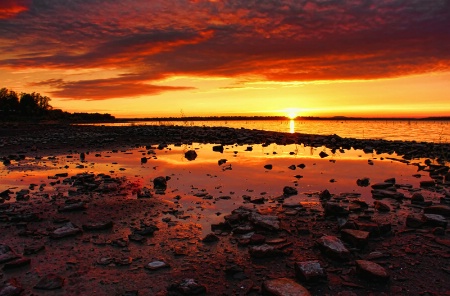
(435, 220)
(309, 271)
(155, 265)
(50, 282)
(186, 287)
(190, 155)
(209, 238)
(417, 198)
(381, 206)
(323, 154)
(6, 253)
(357, 238)
(68, 229)
(371, 271)
(333, 247)
(283, 287)
(325, 195)
(289, 191)
(364, 182)
(268, 166)
(414, 221)
(264, 251)
(98, 225)
(17, 263)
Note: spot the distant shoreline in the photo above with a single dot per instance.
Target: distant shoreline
(241, 118)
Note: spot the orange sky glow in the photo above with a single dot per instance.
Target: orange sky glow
(138, 58)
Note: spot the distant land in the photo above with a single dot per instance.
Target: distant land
(237, 118)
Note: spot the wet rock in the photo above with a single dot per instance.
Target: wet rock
(415, 221)
(417, 198)
(50, 282)
(221, 161)
(190, 155)
(292, 167)
(435, 220)
(283, 287)
(333, 247)
(157, 264)
(17, 263)
(289, 191)
(371, 271)
(265, 221)
(218, 148)
(6, 253)
(335, 209)
(143, 160)
(11, 287)
(309, 271)
(383, 185)
(68, 229)
(98, 225)
(364, 182)
(210, 238)
(268, 166)
(380, 193)
(160, 183)
(264, 251)
(443, 210)
(325, 195)
(357, 238)
(427, 184)
(381, 206)
(323, 154)
(72, 207)
(186, 287)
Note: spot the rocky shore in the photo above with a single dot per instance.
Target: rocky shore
(92, 239)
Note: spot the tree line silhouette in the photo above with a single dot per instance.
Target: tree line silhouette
(33, 106)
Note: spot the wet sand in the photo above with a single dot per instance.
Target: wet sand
(155, 237)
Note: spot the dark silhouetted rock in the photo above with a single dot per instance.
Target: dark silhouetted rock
(415, 221)
(209, 238)
(323, 154)
(381, 206)
(17, 263)
(268, 166)
(435, 220)
(364, 182)
(417, 198)
(443, 210)
(190, 155)
(334, 209)
(325, 195)
(218, 148)
(289, 191)
(160, 183)
(283, 287)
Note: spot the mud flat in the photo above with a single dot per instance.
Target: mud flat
(160, 210)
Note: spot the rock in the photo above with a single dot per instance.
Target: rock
(72, 207)
(357, 238)
(381, 206)
(289, 191)
(50, 282)
(435, 220)
(68, 229)
(11, 287)
(323, 154)
(209, 238)
(371, 271)
(144, 193)
(380, 193)
(143, 160)
(160, 183)
(186, 287)
(98, 225)
(443, 210)
(335, 209)
(6, 253)
(292, 167)
(364, 182)
(414, 221)
(265, 221)
(324, 195)
(190, 155)
(428, 183)
(283, 287)
(218, 148)
(264, 251)
(17, 263)
(333, 247)
(257, 239)
(417, 198)
(309, 271)
(221, 161)
(155, 265)
(390, 181)
(268, 166)
(383, 185)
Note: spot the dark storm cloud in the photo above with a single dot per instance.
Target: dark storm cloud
(274, 40)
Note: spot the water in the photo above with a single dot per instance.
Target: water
(420, 131)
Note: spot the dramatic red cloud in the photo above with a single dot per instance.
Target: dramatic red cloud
(303, 40)
(10, 8)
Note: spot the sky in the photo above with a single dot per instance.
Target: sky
(140, 58)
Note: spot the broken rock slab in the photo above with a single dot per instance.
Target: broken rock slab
(371, 271)
(357, 238)
(309, 271)
(68, 229)
(333, 247)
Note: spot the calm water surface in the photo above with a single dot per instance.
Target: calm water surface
(420, 131)
(242, 174)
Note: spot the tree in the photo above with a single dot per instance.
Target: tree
(28, 105)
(9, 101)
